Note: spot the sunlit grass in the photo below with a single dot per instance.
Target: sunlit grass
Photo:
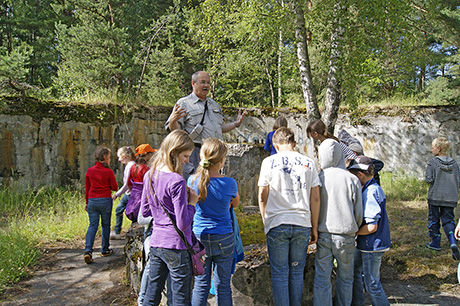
(251, 228)
(407, 210)
(403, 188)
(34, 219)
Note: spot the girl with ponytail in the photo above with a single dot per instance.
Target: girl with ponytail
(212, 223)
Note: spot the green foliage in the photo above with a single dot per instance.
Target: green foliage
(84, 48)
(95, 55)
(251, 228)
(173, 59)
(13, 63)
(17, 254)
(31, 23)
(443, 91)
(403, 188)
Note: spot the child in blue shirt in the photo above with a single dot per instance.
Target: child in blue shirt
(212, 223)
(373, 236)
(269, 147)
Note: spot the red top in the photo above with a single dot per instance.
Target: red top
(137, 173)
(99, 182)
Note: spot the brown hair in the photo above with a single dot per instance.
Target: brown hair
(279, 122)
(283, 135)
(100, 154)
(319, 127)
(212, 152)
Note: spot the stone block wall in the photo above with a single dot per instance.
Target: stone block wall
(51, 143)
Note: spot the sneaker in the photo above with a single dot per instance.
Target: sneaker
(107, 253)
(88, 257)
(115, 236)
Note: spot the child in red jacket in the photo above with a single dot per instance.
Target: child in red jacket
(99, 183)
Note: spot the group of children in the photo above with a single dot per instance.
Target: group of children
(100, 182)
(343, 210)
(300, 207)
(207, 199)
(340, 208)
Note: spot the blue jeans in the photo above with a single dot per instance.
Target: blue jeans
(443, 214)
(178, 265)
(219, 254)
(367, 268)
(99, 208)
(342, 248)
(119, 213)
(145, 276)
(287, 251)
(145, 273)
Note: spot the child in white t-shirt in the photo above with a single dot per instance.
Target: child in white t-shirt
(289, 203)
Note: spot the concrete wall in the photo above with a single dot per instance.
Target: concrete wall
(53, 143)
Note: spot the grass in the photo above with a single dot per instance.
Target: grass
(407, 210)
(33, 219)
(251, 228)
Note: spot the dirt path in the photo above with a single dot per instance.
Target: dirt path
(413, 293)
(63, 278)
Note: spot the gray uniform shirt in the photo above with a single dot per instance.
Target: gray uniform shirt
(194, 106)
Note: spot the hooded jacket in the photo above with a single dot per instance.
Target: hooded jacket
(374, 213)
(443, 175)
(341, 210)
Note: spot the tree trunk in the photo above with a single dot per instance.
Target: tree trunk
(280, 50)
(421, 86)
(304, 63)
(280, 53)
(270, 82)
(333, 97)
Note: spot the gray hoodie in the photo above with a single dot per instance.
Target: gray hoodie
(443, 175)
(341, 209)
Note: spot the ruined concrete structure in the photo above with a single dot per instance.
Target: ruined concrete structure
(49, 143)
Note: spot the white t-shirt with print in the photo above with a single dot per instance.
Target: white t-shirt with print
(290, 176)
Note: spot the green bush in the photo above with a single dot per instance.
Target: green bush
(403, 187)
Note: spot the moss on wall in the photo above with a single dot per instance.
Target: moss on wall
(98, 114)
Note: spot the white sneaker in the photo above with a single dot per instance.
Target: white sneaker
(115, 236)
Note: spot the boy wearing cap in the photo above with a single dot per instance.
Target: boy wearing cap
(373, 236)
(289, 206)
(442, 173)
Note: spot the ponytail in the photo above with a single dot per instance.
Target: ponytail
(212, 152)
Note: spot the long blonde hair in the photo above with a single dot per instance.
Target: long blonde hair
(175, 143)
(212, 152)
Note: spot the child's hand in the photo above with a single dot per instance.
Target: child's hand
(114, 196)
(313, 236)
(457, 232)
